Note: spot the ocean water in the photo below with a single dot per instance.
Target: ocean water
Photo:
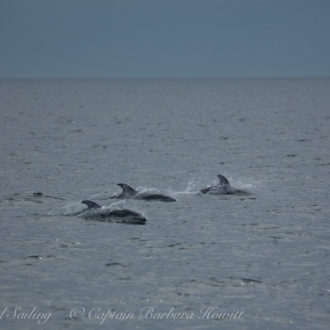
(260, 261)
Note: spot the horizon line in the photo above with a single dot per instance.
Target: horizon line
(162, 77)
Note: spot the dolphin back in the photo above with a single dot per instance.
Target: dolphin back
(222, 188)
(91, 204)
(155, 197)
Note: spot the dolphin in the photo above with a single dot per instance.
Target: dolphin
(96, 212)
(129, 192)
(222, 188)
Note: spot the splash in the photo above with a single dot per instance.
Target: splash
(191, 189)
(72, 208)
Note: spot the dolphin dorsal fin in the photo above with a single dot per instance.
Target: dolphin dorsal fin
(91, 204)
(223, 180)
(127, 190)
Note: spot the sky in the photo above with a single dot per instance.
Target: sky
(164, 38)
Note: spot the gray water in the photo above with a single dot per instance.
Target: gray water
(262, 258)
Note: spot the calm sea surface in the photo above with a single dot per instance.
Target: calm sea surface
(260, 261)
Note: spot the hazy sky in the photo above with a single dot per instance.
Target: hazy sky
(164, 38)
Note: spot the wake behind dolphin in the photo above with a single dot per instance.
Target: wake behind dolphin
(222, 188)
(96, 212)
(129, 192)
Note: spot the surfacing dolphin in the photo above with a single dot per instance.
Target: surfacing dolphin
(222, 188)
(96, 212)
(129, 192)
